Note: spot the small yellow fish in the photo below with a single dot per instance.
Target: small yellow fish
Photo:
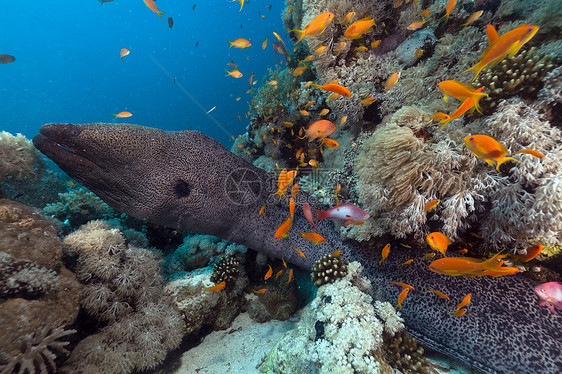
(460, 312)
(416, 25)
(361, 48)
(234, 74)
(359, 28)
(391, 81)
(401, 297)
(298, 71)
(406, 262)
(316, 27)
(403, 285)
(343, 120)
(290, 276)
(123, 115)
(418, 53)
(440, 294)
(269, 273)
(348, 17)
(217, 287)
(429, 255)
(272, 83)
(299, 252)
(385, 252)
(448, 9)
(465, 301)
(336, 253)
(312, 237)
(264, 43)
(239, 43)
(430, 205)
(473, 18)
(368, 101)
(150, 4)
(375, 43)
(323, 112)
(438, 242)
(318, 51)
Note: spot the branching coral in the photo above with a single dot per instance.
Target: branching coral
(328, 269)
(521, 75)
(18, 156)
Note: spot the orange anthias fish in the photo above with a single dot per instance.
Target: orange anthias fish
(430, 205)
(239, 43)
(312, 237)
(284, 181)
(461, 91)
(532, 252)
(416, 25)
(262, 209)
(385, 252)
(261, 290)
(234, 74)
(391, 81)
(403, 285)
(448, 9)
(465, 301)
(298, 71)
(290, 276)
(438, 242)
(460, 312)
(295, 190)
(123, 115)
(440, 294)
(150, 4)
(217, 287)
(331, 143)
(282, 230)
(472, 267)
(530, 152)
(269, 273)
(506, 45)
(333, 87)
(336, 253)
(316, 27)
(368, 100)
(359, 28)
(320, 129)
(348, 17)
(466, 105)
(401, 297)
(299, 252)
(292, 207)
(473, 18)
(488, 149)
(408, 262)
(124, 52)
(264, 44)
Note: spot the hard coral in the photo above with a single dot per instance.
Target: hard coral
(38, 294)
(404, 354)
(226, 270)
(339, 332)
(328, 269)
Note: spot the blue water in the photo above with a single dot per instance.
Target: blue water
(68, 69)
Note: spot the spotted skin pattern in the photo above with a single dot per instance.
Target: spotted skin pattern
(188, 181)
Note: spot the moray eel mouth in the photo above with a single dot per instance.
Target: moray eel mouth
(59, 144)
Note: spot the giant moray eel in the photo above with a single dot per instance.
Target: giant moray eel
(189, 181)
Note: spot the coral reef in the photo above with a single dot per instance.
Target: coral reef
(339, 332)
(78, 206)
(226, 270)
(196, 251)
(403, 353)
(521, 75)
(200, 307)
(123, 289)
(39, 352)
(278, 303)
(328, 269)
(39, 295)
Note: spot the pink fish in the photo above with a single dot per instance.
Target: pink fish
(550, 293)
(348, 212)
(307, 211)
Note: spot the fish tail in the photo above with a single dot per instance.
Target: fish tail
(492, 263)
(115, 116)
(300, 35)
(446, 16)
(476, 68)
(504, 159)
(159, 12)
(321, 214)
(476, 96)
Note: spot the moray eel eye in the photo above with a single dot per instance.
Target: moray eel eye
(181, 189)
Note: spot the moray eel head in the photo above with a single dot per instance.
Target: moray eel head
(182, 173)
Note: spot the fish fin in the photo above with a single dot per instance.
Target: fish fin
(446, 98)
(300, 35)
(348, 222)
(476, 68)
(159, 12)
(491, 33)
(504, 159)
(321, 214)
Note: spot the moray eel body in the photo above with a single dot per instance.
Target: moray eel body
(188, 181)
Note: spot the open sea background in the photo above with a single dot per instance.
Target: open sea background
(68, 69)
